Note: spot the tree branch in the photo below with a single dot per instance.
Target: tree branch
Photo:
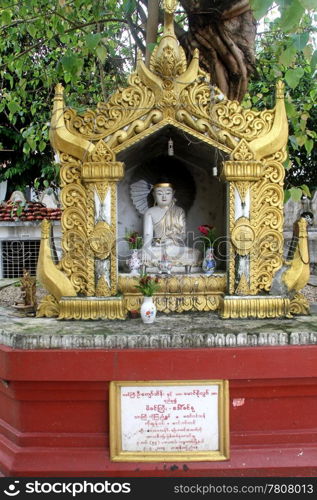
(151, 28)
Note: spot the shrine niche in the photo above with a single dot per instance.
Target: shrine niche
(102, 150)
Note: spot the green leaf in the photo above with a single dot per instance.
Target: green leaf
(291, 16)
(288, 56)
(92, 40)
(293, 76)
(101, 53)
(306, 190)
(13, 107)
(287, 195)
(69, 62)
(300, 40)
(296, 193)
(5, 17)
(130, 6)
(313, 61)
(32, 30)
(309, 144)
(260, 7)
(308, 4)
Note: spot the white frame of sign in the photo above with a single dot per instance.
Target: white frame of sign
(176, 420)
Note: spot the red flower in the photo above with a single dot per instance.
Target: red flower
(209, 233)
(205, 228)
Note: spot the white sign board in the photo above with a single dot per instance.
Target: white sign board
(169, 420)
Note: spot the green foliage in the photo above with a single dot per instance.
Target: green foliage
(78, 43)
(286, 50)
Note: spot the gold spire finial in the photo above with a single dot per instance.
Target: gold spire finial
(279, 92)
(169, 6)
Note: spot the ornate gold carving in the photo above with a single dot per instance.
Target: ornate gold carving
(103, 289)
(243, 287)
(124, 106)
(267, 220)
(276, 139)
(102, 152)
(235, 171)
(255, 307)
(113, 257)
(102, 240)
(231, 210)
(178, 283)
(299, 305)
(298, 272)
(170, 93)
(178, 293)
(48, 273)
(243, 123)
(243, 189)
(99, 172)
(102, 189)
(48, 307)
(136, 128)
(61, 138)
(93, 308)
(243, 152)
(170, 6)
(243, 236)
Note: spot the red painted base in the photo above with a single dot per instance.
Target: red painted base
(54, 418)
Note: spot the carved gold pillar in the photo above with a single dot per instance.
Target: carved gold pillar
(247, 243)
(100, 176)
(241, 176)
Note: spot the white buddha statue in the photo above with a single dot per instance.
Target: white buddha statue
(164, 233)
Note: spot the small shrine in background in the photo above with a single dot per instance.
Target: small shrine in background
(232, 159)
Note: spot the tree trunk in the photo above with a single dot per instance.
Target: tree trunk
(151, 27)
(224, 32)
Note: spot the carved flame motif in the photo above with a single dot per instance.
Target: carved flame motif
(170, 6)
(168, 64)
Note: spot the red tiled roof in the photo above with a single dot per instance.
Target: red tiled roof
(31, 211)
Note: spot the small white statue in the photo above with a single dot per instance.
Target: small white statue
(164, 232)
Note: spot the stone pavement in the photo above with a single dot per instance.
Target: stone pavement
(186, 330)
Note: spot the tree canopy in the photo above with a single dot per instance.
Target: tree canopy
(90, 46)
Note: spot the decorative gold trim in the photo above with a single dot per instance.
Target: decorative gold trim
(100, 172)
(299, 305)
(243, 287)
(119, 455)
(180, 284)
(48, 273)
(177, 293)
(61, 138)
(231, 223)
(102, 288)
(170, 6)
(243, 236)
(48, 307)
(163, 185)
(92, 308)
(102, 240)
(276, 139)
(242, 171)
(255, 307)
(298, 273)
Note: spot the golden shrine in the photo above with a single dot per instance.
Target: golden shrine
(172, 96)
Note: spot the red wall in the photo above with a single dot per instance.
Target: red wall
(54, 409)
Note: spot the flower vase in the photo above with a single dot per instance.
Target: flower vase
(134, 262)
(148, 310)
(209, 262)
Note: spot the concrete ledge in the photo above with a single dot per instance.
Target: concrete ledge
(186, 330)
